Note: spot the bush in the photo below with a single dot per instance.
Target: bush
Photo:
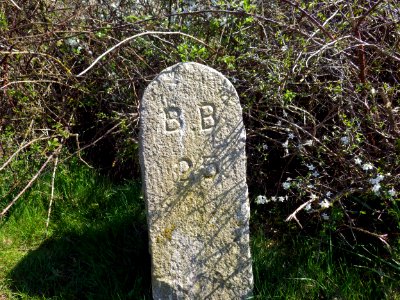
(318, 82)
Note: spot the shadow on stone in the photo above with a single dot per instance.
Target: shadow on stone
(111, 262)
(194, 173)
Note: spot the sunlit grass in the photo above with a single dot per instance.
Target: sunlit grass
(96, 248)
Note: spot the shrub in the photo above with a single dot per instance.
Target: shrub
(318, 82)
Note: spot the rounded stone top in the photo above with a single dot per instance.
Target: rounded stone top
(190, 66)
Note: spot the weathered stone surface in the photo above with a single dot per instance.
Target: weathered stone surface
(194, 175)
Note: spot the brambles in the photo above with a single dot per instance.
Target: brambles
(318, 82)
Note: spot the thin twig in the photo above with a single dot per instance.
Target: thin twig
(15, 4)
(33, 179)
(311, 18)
(17, 52)
(207, 11)
(377, 48)
(32, 81)
(303, 130)
(293, 215)
(134, 37)
(381, 237)
(223, 11)
(20, 149)
(362, 18)
(53, 176)
(324, 47)
(94, 142)
(79, 152)
(240, 13)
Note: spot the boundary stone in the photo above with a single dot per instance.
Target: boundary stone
(193, 163)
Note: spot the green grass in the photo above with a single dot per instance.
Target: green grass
(96, 248)
(304, 267)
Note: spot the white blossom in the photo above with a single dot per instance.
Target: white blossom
(311, 167)
(325, 204)
(367, 166)
(290, 136)
(308, 143)
(315, 174)
(286, 185)
(377, 179)
(324, 217)
(345, 140)
(261, 199)
(392, 192)
(376, 188)
(307, 207)
(358, 161)
(223, 21)
(72, 41)
(281, 199)
(265, 146)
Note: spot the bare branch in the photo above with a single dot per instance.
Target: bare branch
(30, 81)
(16, 52)
(362, 18)
(229, 12)
(33, 179)
(293, 215)
(53, 176)
(381, 237)
(377, 48)
(94, 142)
(15, 4)
(327, 46)
(311, 18)
(20, 149)
(134, 37)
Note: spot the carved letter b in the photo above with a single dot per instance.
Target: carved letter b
(172, 119)
(207, 116)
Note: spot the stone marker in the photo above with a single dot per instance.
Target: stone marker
(194, 174)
